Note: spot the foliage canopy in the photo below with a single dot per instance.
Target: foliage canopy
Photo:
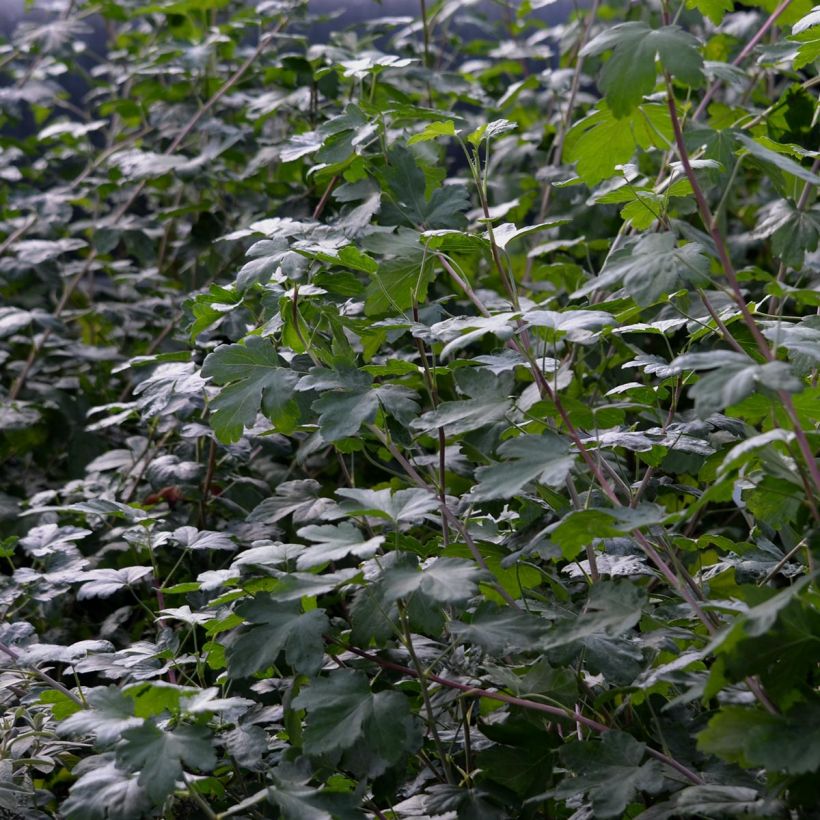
(421, 423)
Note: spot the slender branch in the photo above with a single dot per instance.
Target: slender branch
(720, 324)
(432, 390)
(320, 207)
(207, 482)
(544, 388)
(15, 235)
(425, 28)
(557, 148)
(743, 54)
(783, 561)
(711, 226)
(569, 715)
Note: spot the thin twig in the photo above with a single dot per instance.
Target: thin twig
(782, 562)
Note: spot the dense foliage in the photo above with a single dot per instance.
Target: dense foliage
(417, 424)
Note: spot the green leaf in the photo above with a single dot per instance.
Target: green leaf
(342, 413)
(610, 771)
(507, 232)
(630, 72)
(790, 14)
(652, 268)
(334, 542)
(775, 155)
(802, 339)
(489, 402)
(159, 756)
(713, 9)
(600, 141)
(458, 417)
(341, 711)
(794, 231)
(523, 769)
(753, 738)
(500, 631)
(714, 801)
(450, 330)
(297, 801)
(103, 791)
(772, 640)
(448, 800)
(391, 731)
(299, 499)
(254, 379)
(545, 458)
(806, 32)
(445, 580)
(409, 205)
(614, 607)
(349, 400)
(102, 583)
(734, 376)
(399, 283)
(110, 713)
(276, 627)
(433, 130)
(572, 325)
(401, 506)
(582, 527)
(490, 131)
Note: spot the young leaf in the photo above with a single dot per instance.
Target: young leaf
(713, 9)
(433, 130)
(600, 141)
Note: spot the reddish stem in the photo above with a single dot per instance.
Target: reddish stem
(554, 711)
(731, 276)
